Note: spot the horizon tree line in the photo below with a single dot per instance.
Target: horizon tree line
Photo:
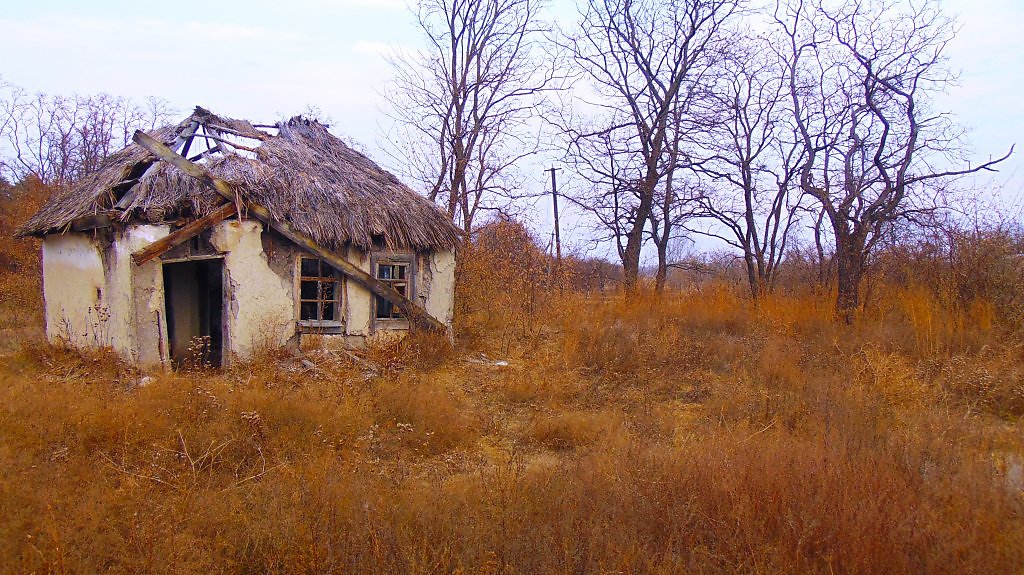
(805, 112)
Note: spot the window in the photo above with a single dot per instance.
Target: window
(318, 291)
(398, 275)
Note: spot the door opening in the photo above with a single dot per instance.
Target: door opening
(193, 296)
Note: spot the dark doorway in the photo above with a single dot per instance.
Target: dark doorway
(193, 296)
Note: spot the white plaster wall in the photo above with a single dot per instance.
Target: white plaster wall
(124, 307)
(145, 292)
(259, 308)
(72, 290)
(440, 297)
(434, 285)
(125, 282)
(358, 300)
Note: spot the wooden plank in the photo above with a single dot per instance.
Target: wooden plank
(189, 231)
(91, 222)
(416, 314)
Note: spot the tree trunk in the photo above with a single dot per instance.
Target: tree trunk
(753, 282)
(635, 237)
(662, 275)
(631, 262)
(849, 273)
(848, 285)
(823, 268)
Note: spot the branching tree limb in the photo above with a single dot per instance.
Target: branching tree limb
(463, 104)
(862, 76)
(751, 154)
(642, 58)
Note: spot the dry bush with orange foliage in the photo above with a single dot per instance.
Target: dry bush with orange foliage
(505, 283)
(20, 283)
(692, 431)
(962, 267)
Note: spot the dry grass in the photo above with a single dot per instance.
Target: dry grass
(692, 432)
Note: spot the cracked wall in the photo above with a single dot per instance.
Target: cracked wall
(259, 304)
(94, 294)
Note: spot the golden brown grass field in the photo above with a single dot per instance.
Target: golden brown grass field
(695, 432)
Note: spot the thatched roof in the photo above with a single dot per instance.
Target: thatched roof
(296, 169)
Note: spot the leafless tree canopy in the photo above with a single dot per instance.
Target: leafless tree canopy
(465, 104)
(641, 59)
(751, 152)
(59, 139)
(862, 76)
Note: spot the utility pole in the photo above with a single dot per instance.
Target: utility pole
(554, 202)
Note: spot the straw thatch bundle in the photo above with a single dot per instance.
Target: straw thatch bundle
(302, 174)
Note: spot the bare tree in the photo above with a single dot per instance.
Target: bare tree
(58, 139)
(463, 104)
(862, 75)
(752, 154)
(641, 57)
(610, 170)
(677, 200)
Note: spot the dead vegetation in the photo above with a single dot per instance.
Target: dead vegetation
(691, 432)
(20, 283)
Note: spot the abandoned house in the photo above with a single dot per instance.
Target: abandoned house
(215, 238)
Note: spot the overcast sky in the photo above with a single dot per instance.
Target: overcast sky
(268, 59)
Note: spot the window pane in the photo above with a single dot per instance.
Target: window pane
(327, 310)
(308, 290)
(396, 275)
(307, 310)
(310, 267)
(383, 308)
(327, 290)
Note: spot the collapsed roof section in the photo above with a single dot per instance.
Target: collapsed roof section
(301, 173)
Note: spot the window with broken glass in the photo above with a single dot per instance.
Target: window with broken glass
(319, 291)
(397, 275)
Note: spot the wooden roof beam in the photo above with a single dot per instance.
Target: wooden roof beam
(178, 237)
(90, 222)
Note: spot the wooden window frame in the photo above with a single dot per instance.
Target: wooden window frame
(320, 325)
(406, 259)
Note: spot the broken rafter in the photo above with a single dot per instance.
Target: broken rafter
(206, 137)
(189, 231)
(186, 135)
(227, 142)
(417, 315)
(254, 135)
(187, 145)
